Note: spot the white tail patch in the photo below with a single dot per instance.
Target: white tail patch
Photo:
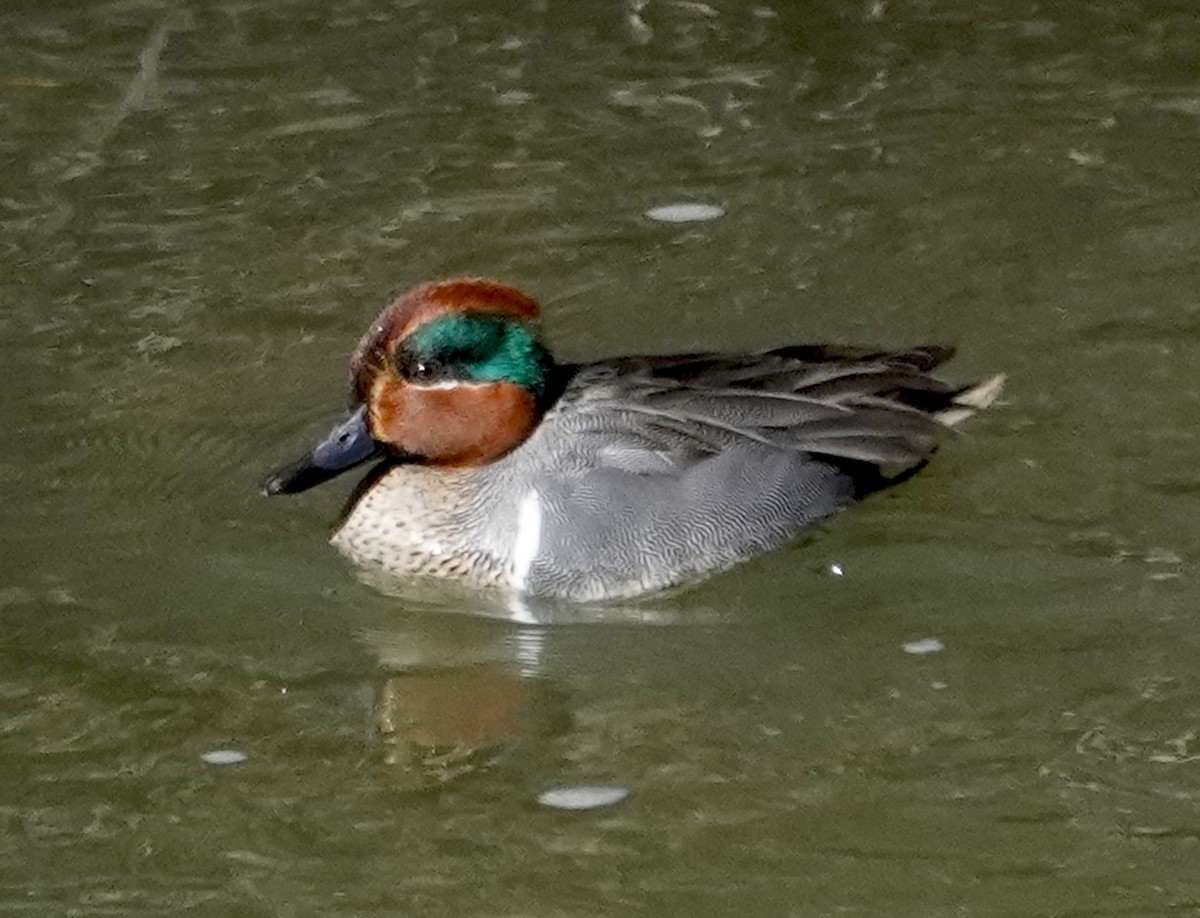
(972, 400)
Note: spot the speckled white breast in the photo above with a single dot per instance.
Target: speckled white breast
(428, 522)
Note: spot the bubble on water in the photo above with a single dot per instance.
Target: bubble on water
(685, 213)
(223, 756)
(924, 646)
(583, 797)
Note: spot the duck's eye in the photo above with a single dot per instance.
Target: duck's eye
(421, 368)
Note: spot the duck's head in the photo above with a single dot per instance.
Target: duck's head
(452, 373)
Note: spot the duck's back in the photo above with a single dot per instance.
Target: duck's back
(654, 471)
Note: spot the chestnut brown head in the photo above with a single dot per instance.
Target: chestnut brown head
(452, 373)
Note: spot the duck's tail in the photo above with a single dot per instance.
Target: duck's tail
(970, 400)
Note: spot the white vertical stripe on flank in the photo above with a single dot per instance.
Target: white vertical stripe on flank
(528, 538)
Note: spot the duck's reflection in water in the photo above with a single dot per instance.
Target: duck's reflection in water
(457, 694)
(464, 681)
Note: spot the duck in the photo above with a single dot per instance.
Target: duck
(498, 467)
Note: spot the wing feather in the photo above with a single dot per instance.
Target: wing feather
(859, 405)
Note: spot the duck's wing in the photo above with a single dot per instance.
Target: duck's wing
(651, 471)
(879, 408)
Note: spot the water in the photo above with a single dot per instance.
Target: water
(202, 206)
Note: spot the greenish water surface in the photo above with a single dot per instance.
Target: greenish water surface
(202, 206)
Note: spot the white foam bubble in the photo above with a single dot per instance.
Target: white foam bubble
(924, 646)
(223, 756)
(685, 212)
(583, 797)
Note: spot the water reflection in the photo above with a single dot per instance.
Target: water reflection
(454, 694)
(463, 682)
(438, 725)
(436, 595)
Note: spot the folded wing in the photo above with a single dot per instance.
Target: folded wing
(843, 404)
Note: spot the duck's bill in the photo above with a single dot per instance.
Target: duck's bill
(349, 444)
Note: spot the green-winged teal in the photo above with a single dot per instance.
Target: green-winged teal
(499, 467)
